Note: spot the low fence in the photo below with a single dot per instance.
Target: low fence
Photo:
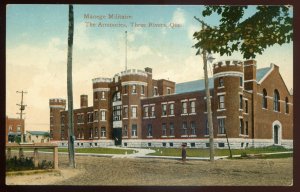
(35, 147)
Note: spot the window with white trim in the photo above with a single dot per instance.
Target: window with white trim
(164, 129)
(286, 105)
(149, 130)
(221, 101)
(103, 115)
(276, 105)
(152, 111)
(103, 95)
(264, 99)
(193, 106)
(146, 113)
(125, 111)
(133, 112)
(221, 123)
(206, 130)
(125, 131)
(241, 126)
(103, 132)
(96, 115)
(164, 109)
(142, 89)
(241, 101)
(184, 130)
(134, 88)
(172, 109)
(134, 130)
(193, 128)
(172, 133)
(221, 82)
(184, 107)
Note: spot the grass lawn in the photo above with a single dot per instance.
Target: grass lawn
(192, 152)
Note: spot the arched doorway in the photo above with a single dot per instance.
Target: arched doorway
(277, 132)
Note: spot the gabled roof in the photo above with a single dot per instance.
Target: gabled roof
(191, 86)
(260, 73)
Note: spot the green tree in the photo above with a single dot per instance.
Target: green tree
(268, 26)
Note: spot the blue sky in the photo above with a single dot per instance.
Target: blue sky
(36, 50)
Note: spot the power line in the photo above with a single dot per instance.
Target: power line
(22, 108)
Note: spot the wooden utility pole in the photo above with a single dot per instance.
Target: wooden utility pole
(22, 108)
(208, 102)
(70, 89)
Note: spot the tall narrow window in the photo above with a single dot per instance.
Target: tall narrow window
(103, 95)
(246, 106)
(125, 131)
(125, 89)
(276, 105)
(117, 112)
(134, 130)
(241, 126)
(241, 81)
(172, 109)
(264, 99)
(206, 131)
(96, 132)
(193, 106)
(164, 109)
(172, 129)
(143, 90)
(152, 111)
(184, 107)
(221, 123)
(168, 91)
(96, 115)
(125, 111)
(103, 132)
(103, 115)
(146, 113)
(184, 130)
(241, 101)
(246, 128)
(221, 102)
(155, 93)
(133, 88)
(149, 130)
(133, 112)
(221, 82)
(286, 105)
(96, 95)
(164, 129)
(193, 128)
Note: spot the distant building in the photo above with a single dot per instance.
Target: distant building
(37, 137)
(253, 107)
(14, 127)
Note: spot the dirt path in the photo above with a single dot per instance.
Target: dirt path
(120, 171)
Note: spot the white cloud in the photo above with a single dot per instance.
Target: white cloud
(178, 16)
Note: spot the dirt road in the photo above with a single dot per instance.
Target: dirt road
(159, 172)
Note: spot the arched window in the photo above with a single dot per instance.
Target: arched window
(286, 105)
(264, 99)
(276, 105)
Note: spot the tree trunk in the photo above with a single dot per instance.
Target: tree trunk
(70, 89)
(208, 102)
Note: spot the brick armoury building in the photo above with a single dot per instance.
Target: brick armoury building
(252, 106)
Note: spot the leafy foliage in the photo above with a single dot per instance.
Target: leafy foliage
(268, 26)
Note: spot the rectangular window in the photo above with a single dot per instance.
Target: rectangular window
(241, 81)
(133, 112)
(221, 102)
(184, 128)
(172, 109)
(149, 130)
(164, 109)
(193, 128)
(125, 89)
(246, 106)
(168, 91)
(143, 90)
(91, 133)
(96, 132)
(103, 115)
(103, 95)
(134, 130)
(96, 95)
(125, 111)
(152, 111)
(103, 132)
(133, 88)
(164, 129)
(172, 129)
(246, 128)
(241, 126)
(241, 101)
(221, 123)
(125, 131)
(62, 119)
(221, 82)
(117, 112)
(155, 93)
(184, 107)
(96, 115)
(18, 128)
(146, 113)
(193, 106)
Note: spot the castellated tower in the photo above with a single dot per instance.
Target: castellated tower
(228, 91)
(102, 109)
(56, 106)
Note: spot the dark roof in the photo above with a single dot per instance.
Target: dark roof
(260, 73)
(191, 86)
(39, 133)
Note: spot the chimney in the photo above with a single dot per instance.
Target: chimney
(148, 70)
(83, 101)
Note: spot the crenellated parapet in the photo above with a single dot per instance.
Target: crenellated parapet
(133, 72)
(57, 103)
(228, 68)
